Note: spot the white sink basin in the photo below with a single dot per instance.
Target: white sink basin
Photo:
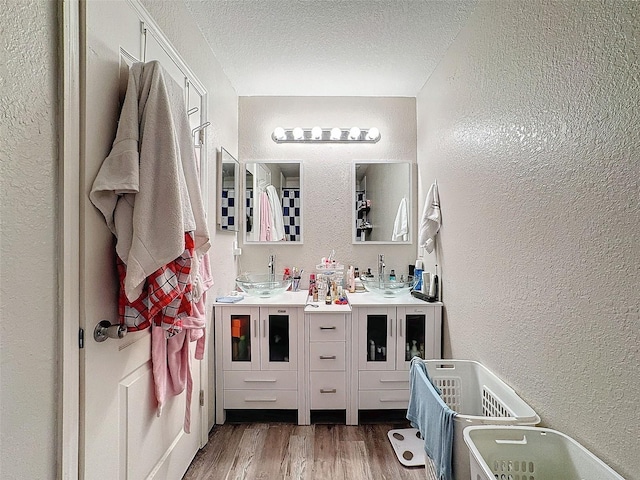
(388, 287)
(262, 284)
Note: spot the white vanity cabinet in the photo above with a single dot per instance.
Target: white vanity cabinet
(259, 352)
(328, 358)
(282, 353)
(382, 332)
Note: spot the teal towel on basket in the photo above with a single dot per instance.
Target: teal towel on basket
(428, 413)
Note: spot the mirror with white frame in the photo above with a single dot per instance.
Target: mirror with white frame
(382, 202)
(229, 205)
(273, 201)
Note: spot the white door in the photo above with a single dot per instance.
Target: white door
(121, 436)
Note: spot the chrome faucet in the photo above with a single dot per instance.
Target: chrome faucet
(272, 267)
(381, 266)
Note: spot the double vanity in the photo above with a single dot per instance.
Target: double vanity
(288, 353)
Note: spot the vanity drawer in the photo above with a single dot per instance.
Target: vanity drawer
(261, 399)
(384, 399)
(327, 356)
(328, 390)
(265, 380)
(390, 380)
(325, 327)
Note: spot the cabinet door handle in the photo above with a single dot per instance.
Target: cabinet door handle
(391, 327)
(382, 380)
(327, 328)
(264, 328)
(400, 322)
(260, 380)
(260, 399)
(327, 357)
(387, 400)
(328, 390)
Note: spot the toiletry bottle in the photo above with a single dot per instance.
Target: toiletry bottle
(312, 283)
(392, 275)
(414, 349)
(351, 280)
(417, 272)
(433, 294)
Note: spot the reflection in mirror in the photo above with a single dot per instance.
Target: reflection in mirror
(273, 205)
(229, 188)
(382, 199)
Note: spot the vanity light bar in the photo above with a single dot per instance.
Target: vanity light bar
(321, 135)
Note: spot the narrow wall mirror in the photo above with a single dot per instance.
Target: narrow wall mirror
(382, 202)
(229, 190)
(273, 202)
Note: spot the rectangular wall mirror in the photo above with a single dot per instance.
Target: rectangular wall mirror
(273, 202)
(229, 191)
(382, 202)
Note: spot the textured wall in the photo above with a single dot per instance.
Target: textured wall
(28, 288)
(530, 125)
(326, 173)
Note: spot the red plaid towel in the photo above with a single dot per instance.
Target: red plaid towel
(166, 297)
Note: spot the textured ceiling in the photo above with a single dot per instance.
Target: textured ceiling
(329, 47)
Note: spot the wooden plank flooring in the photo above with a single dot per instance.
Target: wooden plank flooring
(274, 451)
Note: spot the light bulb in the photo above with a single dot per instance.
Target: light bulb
(298, 133)
(316, 133)
(354, 133)
(336, 133)
(373, 134)
(279, 133)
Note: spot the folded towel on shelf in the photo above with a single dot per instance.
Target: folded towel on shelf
(428, 413)
(401, 223)
(430, 221)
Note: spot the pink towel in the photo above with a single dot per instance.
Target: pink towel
(265, 218)
(170, 356)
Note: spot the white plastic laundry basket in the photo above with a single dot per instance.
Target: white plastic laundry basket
(530, 453)
(478, 397)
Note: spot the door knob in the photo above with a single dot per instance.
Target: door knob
(105, 330)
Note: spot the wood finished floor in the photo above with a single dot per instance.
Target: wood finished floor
(274, 451)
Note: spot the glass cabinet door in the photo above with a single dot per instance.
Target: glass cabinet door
(240, 330)
(277, 339)
(376, 348)
(412, 338)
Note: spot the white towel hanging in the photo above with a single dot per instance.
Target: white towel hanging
(401, 223)
(430, 222)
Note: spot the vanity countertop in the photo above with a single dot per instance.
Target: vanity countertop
(301, 299)
(292, 299)
(368, 298)
(318, 307)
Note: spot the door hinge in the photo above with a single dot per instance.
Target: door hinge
(81, 338)
(202, 398)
